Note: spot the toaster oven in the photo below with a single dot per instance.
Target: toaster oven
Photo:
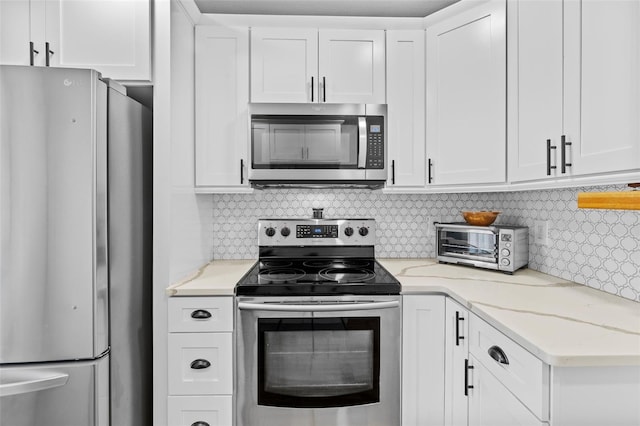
(500, 247)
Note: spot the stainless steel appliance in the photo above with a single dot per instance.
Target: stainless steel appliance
(318, 328)
(501, 247)
(75, 336)
(318, 145)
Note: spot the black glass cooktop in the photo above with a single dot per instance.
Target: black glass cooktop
(317, 276)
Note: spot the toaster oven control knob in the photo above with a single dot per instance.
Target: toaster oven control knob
(285, 231)
(348, 231)
(505, 262)
(505, 252)
(270, 232)
(363, 231)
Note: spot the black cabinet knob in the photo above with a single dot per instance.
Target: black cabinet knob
(200, 314)
(200, 364)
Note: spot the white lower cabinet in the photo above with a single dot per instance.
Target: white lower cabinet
(456, 346)
(491, 403)
(200, 410)
(200, 361)
(422, 360)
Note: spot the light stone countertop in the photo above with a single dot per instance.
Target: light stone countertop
(561, 322)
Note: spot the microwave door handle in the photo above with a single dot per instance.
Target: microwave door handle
(488, 230)
(362, 142)
(281, 307)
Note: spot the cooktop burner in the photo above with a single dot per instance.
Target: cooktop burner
(303, 257)
(318, 277)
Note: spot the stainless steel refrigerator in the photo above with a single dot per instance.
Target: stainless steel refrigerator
(75, 253)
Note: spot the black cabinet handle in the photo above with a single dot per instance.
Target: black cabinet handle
(324, 89)
(48, 53)
(549, 148)
(200, 314)
(199, 364)
(311, 88)
(32, 53)
(498, 354)
(393, 172)
(200, 423)
(563, 153)
(241, 171)
(458, 336)
(429, 166)
(467, 386)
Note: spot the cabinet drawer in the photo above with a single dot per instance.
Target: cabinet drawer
(200, 314)
(210, 410)
(200, 363)
(525, 376)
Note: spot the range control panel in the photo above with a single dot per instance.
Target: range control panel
(324, 232)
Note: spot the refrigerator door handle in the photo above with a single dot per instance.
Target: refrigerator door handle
(28, 381)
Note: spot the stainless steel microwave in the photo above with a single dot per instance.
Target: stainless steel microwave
(501, 247)
(318, 145)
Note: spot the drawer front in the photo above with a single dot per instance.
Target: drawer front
(200, 363)
(524, 375)
(200, 314)
(200, 410)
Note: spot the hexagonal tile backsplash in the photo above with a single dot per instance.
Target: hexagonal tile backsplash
(598, 248)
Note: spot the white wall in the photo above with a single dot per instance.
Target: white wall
(182, 219)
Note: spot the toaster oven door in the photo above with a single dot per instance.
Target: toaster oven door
(474, 244)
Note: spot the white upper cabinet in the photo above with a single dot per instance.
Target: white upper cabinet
(113, 37)
(602, 89)
(222, 96)
(535, 83)
(574, 91)
(284, 65)
(307, 65)
(466, 97)
(352, 66)
(406, 108)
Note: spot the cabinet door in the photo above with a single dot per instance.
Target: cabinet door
(535, 88)
(222, 77)
(466, 96)
(422, 360)
(21, 22)
(113, 37)
(491, 404)
(456, 353)
(200, 410)
(602, 87)
(284, 65)
(406, 108)
(352, 66)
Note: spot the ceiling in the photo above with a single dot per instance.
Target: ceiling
(381, 8)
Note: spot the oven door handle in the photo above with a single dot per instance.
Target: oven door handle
(281, 307)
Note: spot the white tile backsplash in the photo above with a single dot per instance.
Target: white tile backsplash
(598, 248)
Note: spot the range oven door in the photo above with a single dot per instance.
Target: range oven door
(332, 361)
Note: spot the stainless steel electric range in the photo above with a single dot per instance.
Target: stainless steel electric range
(318, 328)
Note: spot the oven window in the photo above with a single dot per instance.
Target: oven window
(318, 362)
(469, 245)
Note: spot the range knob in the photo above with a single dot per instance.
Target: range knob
(363, 231)
(506, 262)
(348, 231)
(270, 232)
(505, 252)
(285, 231)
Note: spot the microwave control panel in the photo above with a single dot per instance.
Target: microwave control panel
(375, 142)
